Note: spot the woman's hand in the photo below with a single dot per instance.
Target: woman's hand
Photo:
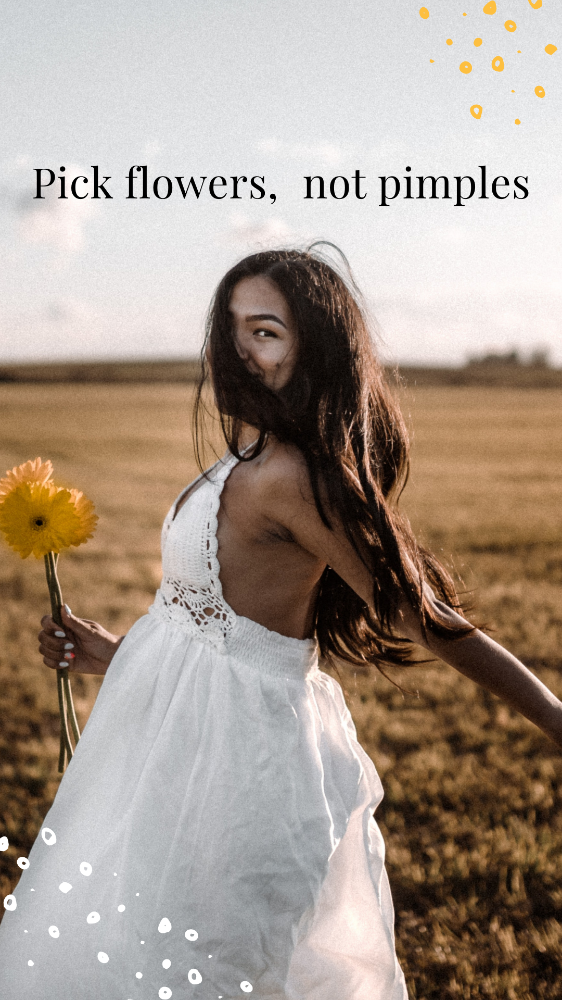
(81, 645)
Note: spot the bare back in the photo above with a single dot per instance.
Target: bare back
(265, 574)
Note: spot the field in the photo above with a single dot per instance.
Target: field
(472, 814)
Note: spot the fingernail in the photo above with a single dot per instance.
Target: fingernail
(69, 656)
(69, 645)
(63, 664)
(61, 635)
(67, 609)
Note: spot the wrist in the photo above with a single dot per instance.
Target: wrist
(116, 642)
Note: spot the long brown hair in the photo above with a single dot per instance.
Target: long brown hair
(338, 410)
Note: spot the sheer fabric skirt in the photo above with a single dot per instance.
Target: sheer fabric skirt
(215, 827)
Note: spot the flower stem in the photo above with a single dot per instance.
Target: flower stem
(64, 736)
(66, 705)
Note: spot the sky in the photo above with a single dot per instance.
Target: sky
(278, 91)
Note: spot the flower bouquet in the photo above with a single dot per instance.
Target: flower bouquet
(39, 518)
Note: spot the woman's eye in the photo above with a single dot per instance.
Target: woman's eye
(264, 333)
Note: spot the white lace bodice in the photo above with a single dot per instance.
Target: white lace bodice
(190, 594)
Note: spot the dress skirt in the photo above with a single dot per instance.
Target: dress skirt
(213, 836)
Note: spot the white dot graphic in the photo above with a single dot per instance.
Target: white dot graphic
(194, 977)
(10, 902)
(164, 926)
(22, 863)
(102, 957)
(54, 931)
(115, 873)
(4, 843)
(65, 887)
(93, 917)
(164, 993)
(85, 868)
(246, 987)
(138, 975)
(31, 962)
(25, 932)
(49, 836)
(166, 963)
(121, 908)
(137, 893)
(191, 935)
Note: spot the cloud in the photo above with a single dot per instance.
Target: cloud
(66, 328)
(326, 152)
(262, 234)
(436, 324)
(52, 221)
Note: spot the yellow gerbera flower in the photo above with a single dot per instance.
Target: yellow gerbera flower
(30, 472)
(39, 517)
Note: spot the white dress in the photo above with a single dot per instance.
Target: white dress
(214, 830)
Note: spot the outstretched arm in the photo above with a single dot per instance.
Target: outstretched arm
(483, 660)
(289, 499)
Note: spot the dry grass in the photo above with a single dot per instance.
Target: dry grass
(472, 815)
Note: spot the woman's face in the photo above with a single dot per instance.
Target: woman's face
(264, 330)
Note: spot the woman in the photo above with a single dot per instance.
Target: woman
(216, 822)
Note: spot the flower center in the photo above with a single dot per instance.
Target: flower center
(38, 523)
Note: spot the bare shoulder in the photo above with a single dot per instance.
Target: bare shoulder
(287, 498)
(284, 476)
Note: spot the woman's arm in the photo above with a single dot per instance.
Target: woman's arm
(490, 665)
(288, 499)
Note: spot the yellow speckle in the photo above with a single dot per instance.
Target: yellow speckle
(550, 49)
(518, 52)
(517, 121)
(464, 15)
(476, 110)
(536, 4)
(490, 8)
(432, 60)
(512, 91)
(497, 64)
(510, 26)
(449, 41)
(539, 91)
(478, 42)
(465, 67)
(424, 13)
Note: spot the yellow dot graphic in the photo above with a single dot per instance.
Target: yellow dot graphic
(512, 91)
(476, 110)
(477, 42)
(536, 4)
(550, 49)
(497, 64)
(517, 121)
(464, 15)
(539, 91)
(424, 13)
(432, 60)
(510, 26)
(449, 41)
(465, 67)
(490, 8)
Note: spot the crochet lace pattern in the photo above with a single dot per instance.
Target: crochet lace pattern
(190, 595)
